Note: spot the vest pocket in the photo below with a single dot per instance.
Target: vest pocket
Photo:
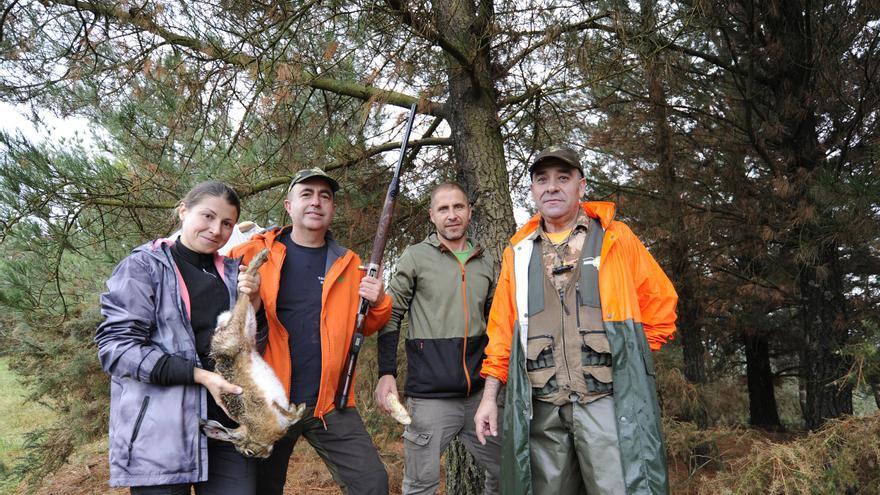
(596, 361)
(540, 365)
(595, 349)
(599, 379)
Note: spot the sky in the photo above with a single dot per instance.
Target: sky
(14, 119)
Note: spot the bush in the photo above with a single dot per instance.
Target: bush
(843, 457)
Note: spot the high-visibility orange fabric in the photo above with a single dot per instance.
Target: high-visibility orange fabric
(632, 286)
(339, 305)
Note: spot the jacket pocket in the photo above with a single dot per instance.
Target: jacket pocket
(647, 357)
(649, 361)
(539, 378)
(137, 425)
(434, 368)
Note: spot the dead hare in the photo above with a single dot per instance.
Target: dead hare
(262, 409)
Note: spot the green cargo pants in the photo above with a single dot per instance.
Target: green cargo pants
(574, 449)
(435, 422)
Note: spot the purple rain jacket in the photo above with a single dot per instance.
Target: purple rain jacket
(154, 429)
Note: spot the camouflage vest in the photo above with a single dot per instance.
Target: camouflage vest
(568, 356)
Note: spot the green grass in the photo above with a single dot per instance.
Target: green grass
(17, 417)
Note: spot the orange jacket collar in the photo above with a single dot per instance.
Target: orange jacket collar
(603, 210)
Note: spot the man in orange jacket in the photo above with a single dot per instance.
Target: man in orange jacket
(310, 290)
(579, 305)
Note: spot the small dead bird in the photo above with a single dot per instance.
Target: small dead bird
(262, 409)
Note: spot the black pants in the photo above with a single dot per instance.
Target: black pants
(345, 447)
(229, 473)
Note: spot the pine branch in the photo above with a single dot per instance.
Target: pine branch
(428, 32)
(141, 20)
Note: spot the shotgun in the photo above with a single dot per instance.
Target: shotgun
(357, 340)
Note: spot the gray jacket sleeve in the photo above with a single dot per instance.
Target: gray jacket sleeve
(128, 308)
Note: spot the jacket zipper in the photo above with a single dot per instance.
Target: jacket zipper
(562, 333)
(476, 251)
(137, 426)
(467, 375)
(192, 336)
(577, 304)
(178, 279)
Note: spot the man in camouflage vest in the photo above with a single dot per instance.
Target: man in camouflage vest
(581, 410)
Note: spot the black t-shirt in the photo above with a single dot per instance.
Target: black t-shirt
(299, 310)
(208, 297)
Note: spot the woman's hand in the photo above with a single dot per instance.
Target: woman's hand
(216, 385)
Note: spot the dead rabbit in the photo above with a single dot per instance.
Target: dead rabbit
(262, 409)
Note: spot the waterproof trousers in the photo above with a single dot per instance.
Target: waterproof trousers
(435, 422)
(574, 449)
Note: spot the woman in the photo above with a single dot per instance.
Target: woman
(160, 311)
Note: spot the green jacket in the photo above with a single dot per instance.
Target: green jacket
(448, 303)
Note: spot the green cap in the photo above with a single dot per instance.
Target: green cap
(309, 173)
(561, 154)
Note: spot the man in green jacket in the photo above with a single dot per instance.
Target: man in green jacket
(446, 283)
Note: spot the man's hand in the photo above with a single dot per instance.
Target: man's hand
(216, 385)
(387, 384)
(486, 418)
(250, 286)
(372, 289)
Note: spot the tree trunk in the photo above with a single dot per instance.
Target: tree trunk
(463, 475)
(763, 412)
(472, 113)
(823, 309)
(679, 246)
(819, 277)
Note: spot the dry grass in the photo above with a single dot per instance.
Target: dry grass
(842, 458)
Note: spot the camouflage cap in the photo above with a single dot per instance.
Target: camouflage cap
(309, 173)
(561, 154)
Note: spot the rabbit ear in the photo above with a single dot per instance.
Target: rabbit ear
(217, 431)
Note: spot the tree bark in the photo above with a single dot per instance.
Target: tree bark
(823, 309)
(472, 113)
(763, 411)
(463, 475)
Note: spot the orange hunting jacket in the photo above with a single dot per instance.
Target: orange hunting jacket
(339, 305)
(632, 287)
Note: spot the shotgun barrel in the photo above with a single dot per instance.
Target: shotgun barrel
(357, 339)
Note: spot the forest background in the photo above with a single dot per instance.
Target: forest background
(738, 138)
